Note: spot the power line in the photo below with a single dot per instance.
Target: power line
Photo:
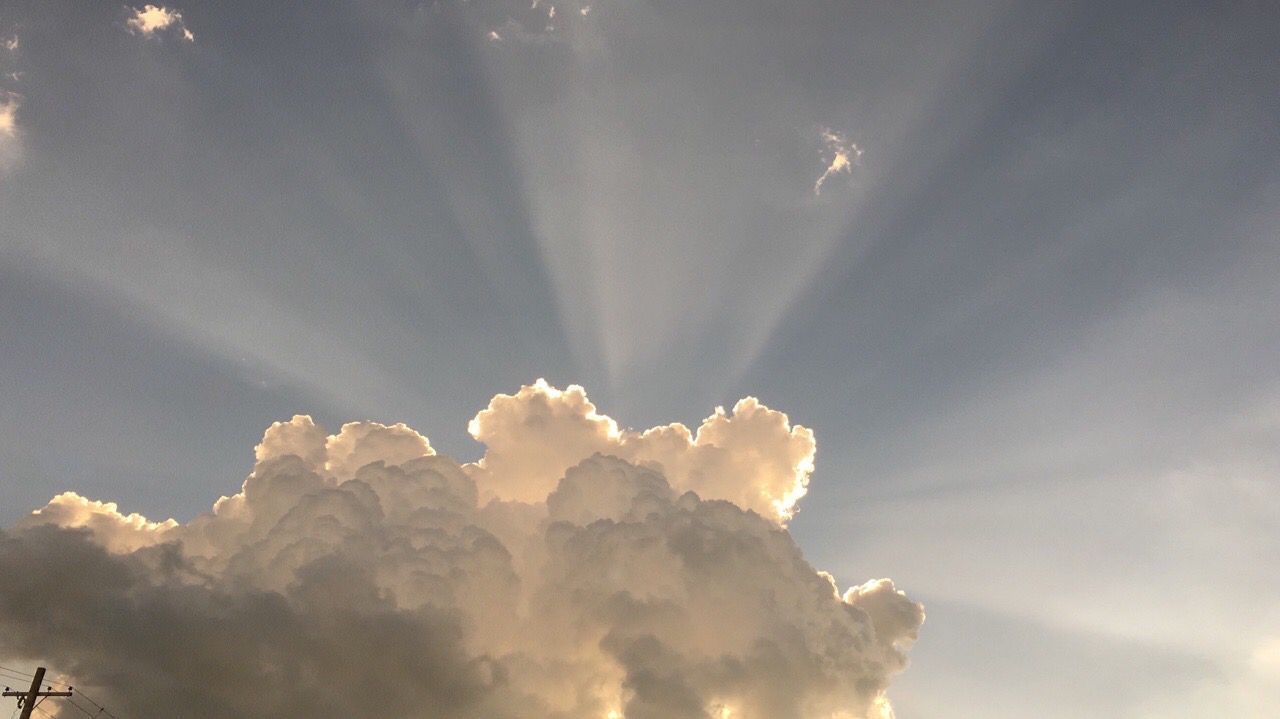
(101, 709)
(84, 711)
(15, 677)
(27, 675)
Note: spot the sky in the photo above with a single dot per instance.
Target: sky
(1013, 263)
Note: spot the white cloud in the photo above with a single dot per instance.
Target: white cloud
(114, 531)
(152, 19)
(843, 155)
(752, 456)
(613, 573)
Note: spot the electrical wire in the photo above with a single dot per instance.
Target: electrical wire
(15, 674)
(29, 675)
(101, 709)
(83, 711)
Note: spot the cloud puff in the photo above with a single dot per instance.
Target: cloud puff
(578, 570)
(842, 153)
(753, 456)
(152, 19)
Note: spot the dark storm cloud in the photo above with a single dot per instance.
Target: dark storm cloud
(159, 642)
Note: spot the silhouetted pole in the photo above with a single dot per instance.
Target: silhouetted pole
(27, 699)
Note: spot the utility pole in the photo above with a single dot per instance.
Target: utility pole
(27, 699)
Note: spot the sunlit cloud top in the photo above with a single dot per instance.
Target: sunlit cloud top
(660, 584)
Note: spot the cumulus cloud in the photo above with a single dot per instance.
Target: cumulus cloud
(152, 19)
(752, 456)
(578, 570)
(842, 154)
(114, 531)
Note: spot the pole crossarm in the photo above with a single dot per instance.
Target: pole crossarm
(27, 699)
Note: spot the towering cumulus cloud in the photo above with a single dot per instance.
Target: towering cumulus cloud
(577, 570)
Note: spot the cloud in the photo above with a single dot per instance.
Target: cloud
(752, 456)
(578, 570)
(151, 19)
(843, 154)
(10, 102)
(535, 23)
(114, 531)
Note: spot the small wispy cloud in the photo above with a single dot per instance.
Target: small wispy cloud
(10, 46)
(843, 155)
(152, 19)
(543, 23)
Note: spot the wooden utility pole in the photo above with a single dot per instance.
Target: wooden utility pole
(27, 699)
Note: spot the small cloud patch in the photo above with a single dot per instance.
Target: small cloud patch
(154, 19)
(840, 155)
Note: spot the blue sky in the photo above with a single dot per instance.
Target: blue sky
(1031, 319)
